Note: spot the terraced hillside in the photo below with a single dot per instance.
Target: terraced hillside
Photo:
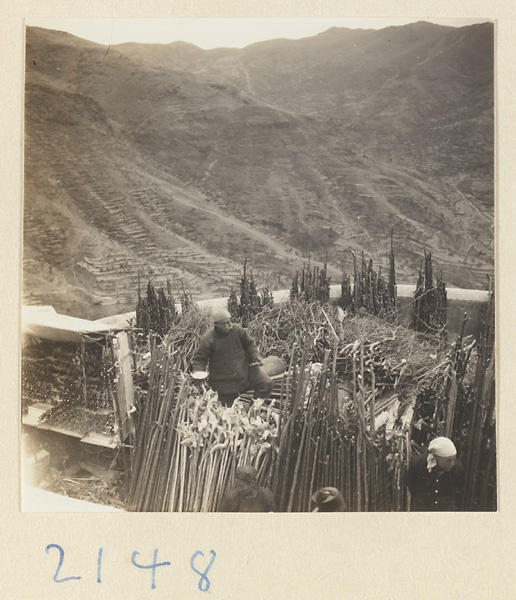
(174, 163)
(93, 252)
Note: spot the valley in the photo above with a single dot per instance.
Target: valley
(171, 163)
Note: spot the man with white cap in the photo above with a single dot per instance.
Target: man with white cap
(436, 478)
(232, 359)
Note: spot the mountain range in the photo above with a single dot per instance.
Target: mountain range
(173, 163)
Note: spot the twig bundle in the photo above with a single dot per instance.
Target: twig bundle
(399, 356)
(430, 303)
(478, 440)
(311, 284)
(250, 302)
(354, 391)
(370, 290)
(157, 312)
(326, 441)
(188, 445)
(280, 327)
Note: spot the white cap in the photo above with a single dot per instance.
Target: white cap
(221, 314)
(442, 447)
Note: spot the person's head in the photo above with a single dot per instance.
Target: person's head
(246, 477)
(444, 452)
(362, 310)
(222, 321)
(328, 499)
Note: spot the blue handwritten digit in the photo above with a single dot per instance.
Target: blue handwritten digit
(204, 582)
(61, 559)
(154, 566)
(99, 565)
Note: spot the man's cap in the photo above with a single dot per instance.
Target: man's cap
(328, 499)
(442, 447)
(246, 473)
(221, 314)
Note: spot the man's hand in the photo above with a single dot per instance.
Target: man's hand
(257, 362)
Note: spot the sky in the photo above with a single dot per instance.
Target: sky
(215, 33)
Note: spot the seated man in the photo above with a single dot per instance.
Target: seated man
(436, 478)
(233, 360)
(247, 495)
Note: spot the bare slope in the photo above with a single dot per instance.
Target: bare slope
(178, 162)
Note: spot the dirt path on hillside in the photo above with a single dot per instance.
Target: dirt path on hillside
(280, 250)
(472, 204)
(283, 252)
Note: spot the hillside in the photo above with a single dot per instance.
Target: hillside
(176, 163)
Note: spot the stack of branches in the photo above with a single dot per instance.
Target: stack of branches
(184, 337)
(370, 290)
(400, 357)
(442, 407)
(157, 312)
(395, 352)
(478, 439)
(312, 284)
(411, 379)
(154, 439)
(327, 442)
(360, 441)
(281, 326)
(250, 302)
(430, 302)
(160, 318)
(345, 422)
(460, 404)
(182, 340)
(188, 445)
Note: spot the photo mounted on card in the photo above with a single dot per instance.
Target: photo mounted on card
(258, 266)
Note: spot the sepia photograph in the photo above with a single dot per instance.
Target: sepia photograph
(258, 266)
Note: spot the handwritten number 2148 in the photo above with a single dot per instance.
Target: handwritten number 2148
(203, 585)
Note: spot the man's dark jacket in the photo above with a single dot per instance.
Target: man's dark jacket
(234, 501)
(228, 357)
(436, 490)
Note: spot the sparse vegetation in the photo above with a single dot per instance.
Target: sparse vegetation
(97, 199)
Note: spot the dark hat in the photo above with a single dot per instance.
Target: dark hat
(328, 499)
